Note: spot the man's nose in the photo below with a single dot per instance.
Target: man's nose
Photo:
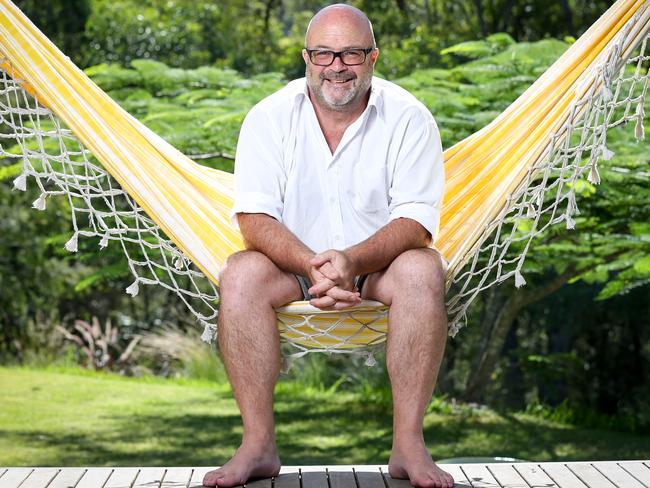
(338, 64)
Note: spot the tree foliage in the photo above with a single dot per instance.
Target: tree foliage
(568, 336)
(267, 35)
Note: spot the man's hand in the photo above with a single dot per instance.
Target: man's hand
(332, 275)
(343, 266)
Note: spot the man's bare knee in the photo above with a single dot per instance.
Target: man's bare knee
(251, 274)
(244, 269)
(419, 269)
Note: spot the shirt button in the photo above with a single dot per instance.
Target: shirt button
(332, 200)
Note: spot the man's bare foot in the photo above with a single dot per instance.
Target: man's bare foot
(411, 461)
(250, 461)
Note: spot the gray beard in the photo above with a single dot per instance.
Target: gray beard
(341, 105)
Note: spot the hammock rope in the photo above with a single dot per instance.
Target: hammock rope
(506, 184)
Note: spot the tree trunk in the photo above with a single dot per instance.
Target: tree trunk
(502, 23)
(568, 17)
(497, 325)
(481, 17)
(267, 14)
(492, 345)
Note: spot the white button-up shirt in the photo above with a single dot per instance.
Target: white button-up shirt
(388, 165)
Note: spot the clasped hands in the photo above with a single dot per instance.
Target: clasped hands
(332, 275)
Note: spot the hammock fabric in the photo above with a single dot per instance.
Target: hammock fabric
(552, 135)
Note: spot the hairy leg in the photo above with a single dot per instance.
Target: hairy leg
(251, 286)
(413, 286)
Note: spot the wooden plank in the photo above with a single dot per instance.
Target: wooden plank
(562, 476)
(393, 482)
(149, 477)
(15, 476)
(534, 475)
(94, 478)
(638, 470)
(314, 478)
(287, 480)
(342, 479)
(122, 478)
(67, 478)
(263, 483)
(177, 478)
(198, 474)
(460, 480)
(479, 476)
(617, 475)
(40, 478)
(368, 479)
(590, 476)
(506, 475)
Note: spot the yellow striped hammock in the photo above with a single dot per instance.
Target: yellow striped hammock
(127, 186)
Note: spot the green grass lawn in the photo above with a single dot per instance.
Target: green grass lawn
(72, 417)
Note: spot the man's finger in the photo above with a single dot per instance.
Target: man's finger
(330, 271)
(320, 259)
(337, 305)
(322, 302)
(321, 287)
(344, 295)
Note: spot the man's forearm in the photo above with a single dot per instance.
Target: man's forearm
(263, 233)
(379, 250)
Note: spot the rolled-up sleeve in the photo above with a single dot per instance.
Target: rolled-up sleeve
(418, 182)
(260, 178)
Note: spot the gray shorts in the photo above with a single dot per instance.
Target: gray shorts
(305, 285)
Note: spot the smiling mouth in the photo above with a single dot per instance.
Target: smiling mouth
(338, 82)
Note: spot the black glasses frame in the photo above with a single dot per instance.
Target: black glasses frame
(339, 54)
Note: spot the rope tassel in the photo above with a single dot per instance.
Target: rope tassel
(519, 279)
(208, 332)
(72, 244)
(178, 262)
(370, 360)
(104, 242)
(639, 128)
(570, 223)
(572, 206)
(20, 183)
(594, 176)
(39, 203)
(530, 211)
(133, 288)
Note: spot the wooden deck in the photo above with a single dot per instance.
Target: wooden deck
(600, 474)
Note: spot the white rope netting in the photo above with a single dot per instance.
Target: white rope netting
(49, 153)
(613, 96)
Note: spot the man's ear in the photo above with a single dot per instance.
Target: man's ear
(305, 56)
(374, 55)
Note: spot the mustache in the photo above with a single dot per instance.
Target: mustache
(333, 76)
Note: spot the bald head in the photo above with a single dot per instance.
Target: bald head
(341, 18)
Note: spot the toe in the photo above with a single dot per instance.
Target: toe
(212, 478)
(448, 479)
(228, 480)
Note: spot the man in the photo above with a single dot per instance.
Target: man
(339, 183)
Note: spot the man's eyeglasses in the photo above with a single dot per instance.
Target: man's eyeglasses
(349, 57)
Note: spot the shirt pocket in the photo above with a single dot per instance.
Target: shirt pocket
(370, 194)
